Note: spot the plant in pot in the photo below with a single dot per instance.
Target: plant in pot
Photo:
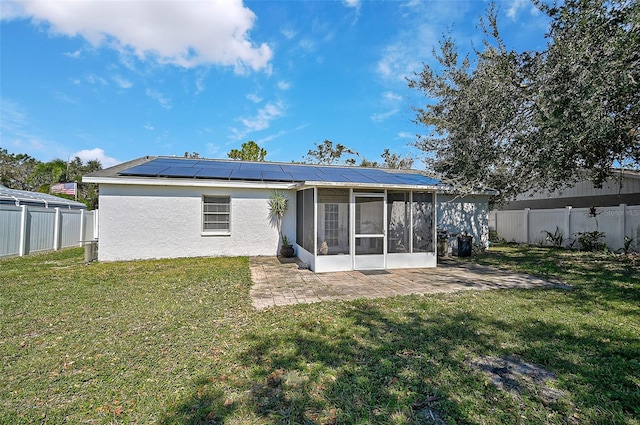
(278, 205)
(286, 250)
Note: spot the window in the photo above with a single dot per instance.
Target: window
(331, 224)
(216, 214)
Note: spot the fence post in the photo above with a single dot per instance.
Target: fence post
(57, 230)
(526, 225)
(623, 223)
(567, 222)
(24, 230)
(82, 226)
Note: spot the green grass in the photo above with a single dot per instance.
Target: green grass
(177, 342)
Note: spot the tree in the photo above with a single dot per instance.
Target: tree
(328, 154)
(250, 151)
(15, 170)
(537, 120)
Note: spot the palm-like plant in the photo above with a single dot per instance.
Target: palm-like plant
(278, 205)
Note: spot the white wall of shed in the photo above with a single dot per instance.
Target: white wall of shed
(142, 222)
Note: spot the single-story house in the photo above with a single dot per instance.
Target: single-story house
(339, 217)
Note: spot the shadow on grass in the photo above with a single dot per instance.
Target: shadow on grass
(407, 359)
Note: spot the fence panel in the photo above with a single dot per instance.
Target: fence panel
(546, 220)
(528, 226)
(10, 230)
(41, 229)
(70, 228)
(40, 224)
(509, 225)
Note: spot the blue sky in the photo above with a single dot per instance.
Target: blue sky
(118, 79)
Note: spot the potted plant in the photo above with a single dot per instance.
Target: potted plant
(278, 205)
(286, 250)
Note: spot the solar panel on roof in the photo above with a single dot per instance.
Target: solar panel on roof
(179, 172)
(240, 174)
(261, 167)
(214, 173)
(277, 176)
(144, 170)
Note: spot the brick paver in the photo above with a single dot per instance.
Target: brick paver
(277, 282)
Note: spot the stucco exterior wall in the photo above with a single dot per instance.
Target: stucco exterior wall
(141, 222)
(465, 214)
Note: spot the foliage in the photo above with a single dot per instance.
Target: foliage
(286, 241)
(250, 151)
(20, 171)
(556, 238)
(537, 120)
(278, 205)
(328, 154)
(627, 248)
(15, 170)
(118, 343)
(191, 155)
(591, 241)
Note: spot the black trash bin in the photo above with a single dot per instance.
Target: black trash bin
(464, 246)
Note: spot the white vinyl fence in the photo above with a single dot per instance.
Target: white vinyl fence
(25, 230)
(529, 226)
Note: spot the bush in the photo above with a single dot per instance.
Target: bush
(591, 241)
(556, 238)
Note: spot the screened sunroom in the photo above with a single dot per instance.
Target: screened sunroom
(362, 228)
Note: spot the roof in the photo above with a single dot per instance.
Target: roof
(24, 197)
(265, 173)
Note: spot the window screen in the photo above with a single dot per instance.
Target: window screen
(216, 214)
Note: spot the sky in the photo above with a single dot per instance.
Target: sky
(116, 80)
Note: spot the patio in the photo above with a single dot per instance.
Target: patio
(283, 283)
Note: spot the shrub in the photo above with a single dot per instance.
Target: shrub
(556, 238)
(591, 241)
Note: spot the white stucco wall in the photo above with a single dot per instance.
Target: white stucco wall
(466, 213)
(140, 222)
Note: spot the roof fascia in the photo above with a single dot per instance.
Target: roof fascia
(155, 181)
(309, 184)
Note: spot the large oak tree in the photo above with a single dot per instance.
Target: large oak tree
(516, 121)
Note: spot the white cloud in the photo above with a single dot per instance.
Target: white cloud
(74, 55)
(406, 135)
(420, 32)
(352, 3)
(149, 127)
(284, 85)
(123, 83)
(183, 33)
(515, 7)
(96, 153)
(261, 121)
(288, 33)
(94, 79)
(391, 96)
(164, 101)
(381, 116)
(254, 98)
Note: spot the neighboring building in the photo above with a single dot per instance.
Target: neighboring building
(625, 189)
(36, 199)
(613, 209)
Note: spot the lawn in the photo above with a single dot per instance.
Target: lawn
(177, 342)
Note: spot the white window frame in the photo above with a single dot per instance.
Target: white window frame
(215, 232)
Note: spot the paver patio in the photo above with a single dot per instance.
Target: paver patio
(283, 283)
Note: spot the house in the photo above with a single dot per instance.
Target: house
(613, 209)
(340, 218)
